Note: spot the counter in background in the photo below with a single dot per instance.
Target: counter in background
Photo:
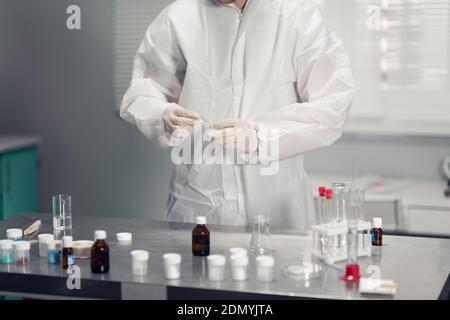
(413, 206)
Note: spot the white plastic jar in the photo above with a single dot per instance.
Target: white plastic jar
(172, 266)
(238, 251)
(44, 239)
(6, 252)
(139, 262)
(21, 252)
(265, 266)
(14, 234)
(239, 267)
(216, 267)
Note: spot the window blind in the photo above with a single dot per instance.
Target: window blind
(132, 20)
(402, 67)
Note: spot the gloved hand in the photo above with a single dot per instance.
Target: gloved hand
(176, 117)
(236, 134)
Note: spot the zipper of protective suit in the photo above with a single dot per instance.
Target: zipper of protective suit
(236, 169)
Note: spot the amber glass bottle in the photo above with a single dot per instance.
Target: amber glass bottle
(100, 253)
(377, 232)
(200, 238)
(67, 252)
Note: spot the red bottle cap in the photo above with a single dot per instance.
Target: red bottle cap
(352, 273)
(322, 191)
(329, 194)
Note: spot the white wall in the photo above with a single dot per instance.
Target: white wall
(59, 84)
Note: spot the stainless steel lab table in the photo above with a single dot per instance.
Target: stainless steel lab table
(421, 266)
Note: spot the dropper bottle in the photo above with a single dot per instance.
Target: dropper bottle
(67, 252)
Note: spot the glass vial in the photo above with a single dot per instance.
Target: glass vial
(377, 232)
(139, 262)
(6, 252)
(67, 252)
(100, 253)
(239, 266)
(22, 252)
(172, 266)
(54, 251)
(216, 267)
(44, 239)
(265, 266)
(200, 238)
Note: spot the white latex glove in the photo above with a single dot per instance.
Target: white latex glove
(236, 134)
(176, 117)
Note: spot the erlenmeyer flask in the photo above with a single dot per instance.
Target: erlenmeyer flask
(260, 242)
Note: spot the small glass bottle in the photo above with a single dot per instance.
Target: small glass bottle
(200, 238)
(54, 251)
(377, 232)
(22, 252)
(44, 239)
(6, 252)
(100, 253)
(67, 252)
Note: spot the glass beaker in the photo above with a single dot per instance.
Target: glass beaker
(62, 212)
(260, 242)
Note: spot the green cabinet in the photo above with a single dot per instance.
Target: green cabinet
(18, 182)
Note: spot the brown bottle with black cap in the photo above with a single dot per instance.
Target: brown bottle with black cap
(100, 253)
(200, 238)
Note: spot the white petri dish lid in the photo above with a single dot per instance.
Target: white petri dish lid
(140, 255)
(124, 236)
(303, 271)
(239, 260)
(217, 260)
(14, 233)
(172, 258)
(22, 245)
(238, 251)
(6, 244)
(265, 261)
(45, 237)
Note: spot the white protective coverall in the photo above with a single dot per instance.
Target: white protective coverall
(276, 65)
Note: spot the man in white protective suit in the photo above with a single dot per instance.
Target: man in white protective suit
(266, 71)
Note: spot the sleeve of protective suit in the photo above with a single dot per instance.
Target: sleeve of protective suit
(158, 74)
(325, 86)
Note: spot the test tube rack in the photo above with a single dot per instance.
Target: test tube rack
(328, 240)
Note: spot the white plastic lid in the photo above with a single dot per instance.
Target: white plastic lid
(239, 260)
(45, 237)
(124, 236)
(21, 245)
(200, 220)
(238, 251)
(377, 223)
(217, 260)
(100, 235)
(14, 233)
(67, 241)
(172, 258)
(140, 255)
(265, 261)
(6, 244)
(54, 245)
